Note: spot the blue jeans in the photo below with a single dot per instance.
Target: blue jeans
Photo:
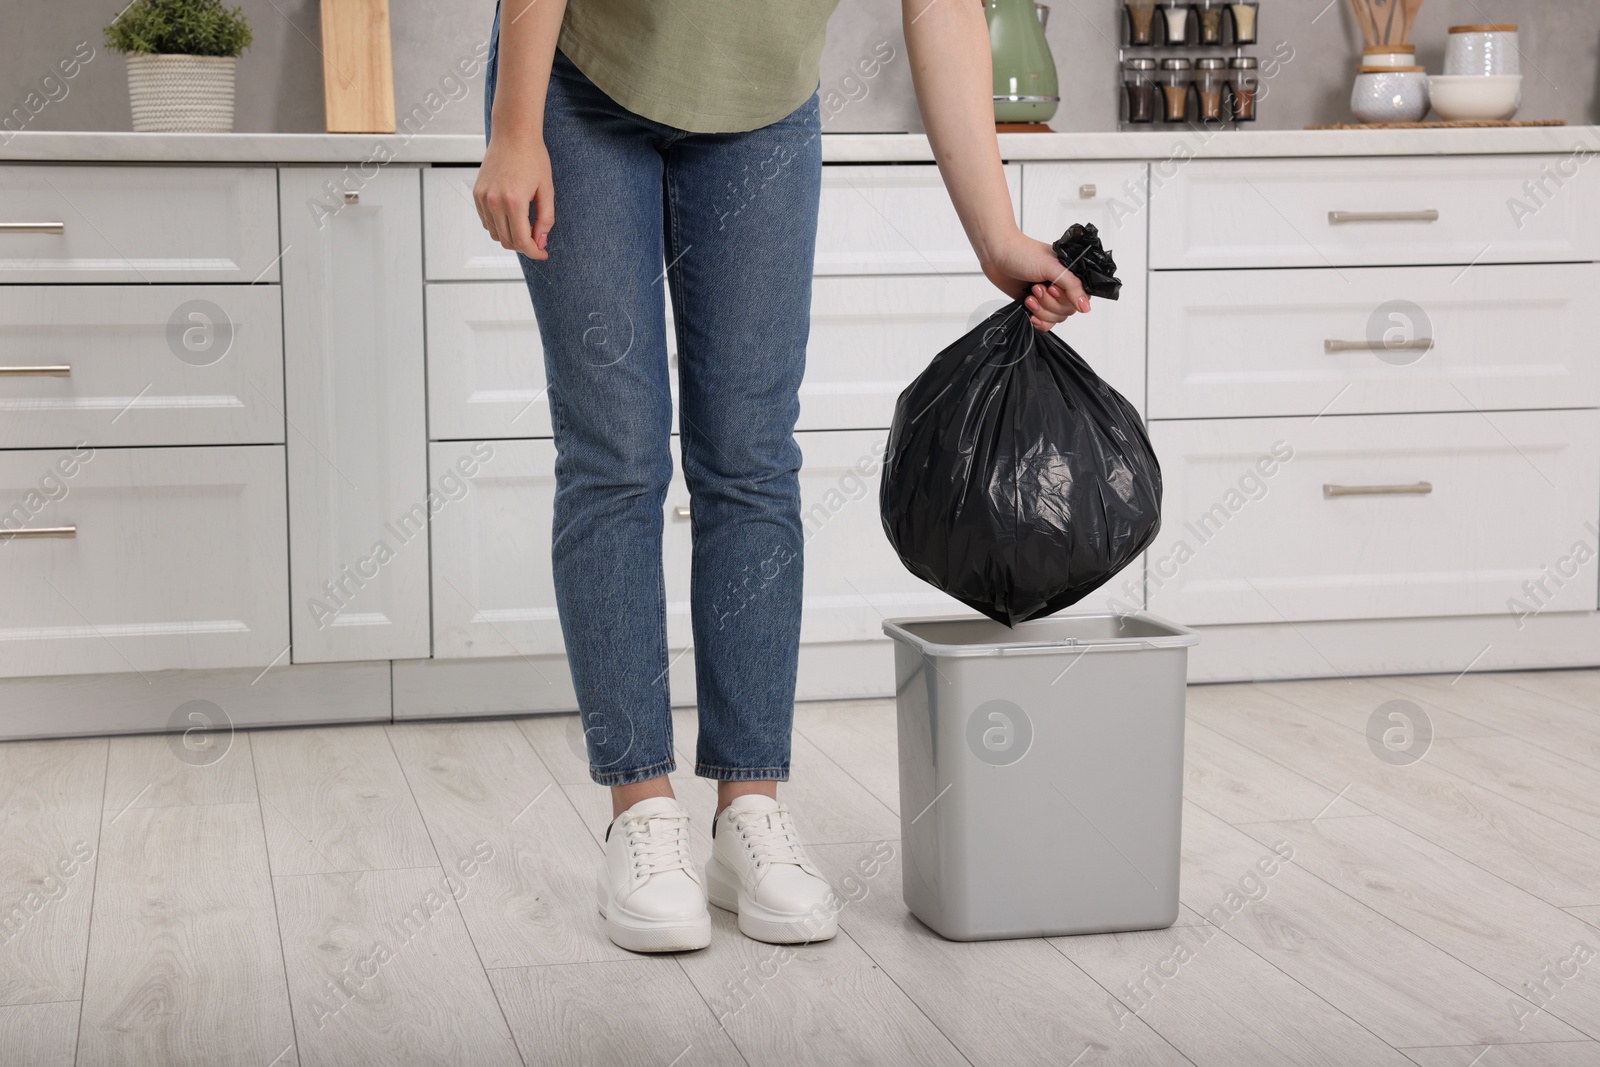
(733, 216)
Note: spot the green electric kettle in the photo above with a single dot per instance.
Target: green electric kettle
(1025, 88)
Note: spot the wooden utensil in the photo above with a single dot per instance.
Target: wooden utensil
(1412, 7)
(357, 67)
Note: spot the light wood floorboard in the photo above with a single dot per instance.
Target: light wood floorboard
(1420, 901)
(1533, 851)
(185, 965)
(999, 1002)
(1492, 926)
(335, 799)
(50, 803)
(156, 771)
(41, 1035)
(1552, 1054)
(1406, 991)
(482, 785)
(568, 1014)
(382, 971)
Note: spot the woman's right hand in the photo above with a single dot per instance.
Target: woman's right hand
(514, 176)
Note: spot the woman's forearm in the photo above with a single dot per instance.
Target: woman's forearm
(528, 32)
(948, 44)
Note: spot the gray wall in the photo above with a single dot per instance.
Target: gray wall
(280, 79)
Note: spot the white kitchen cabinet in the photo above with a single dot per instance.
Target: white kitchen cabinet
(359, 495)
(894, 220)
(853, 579)
(147, 225)
(1110, 196)
(1375, 516)
(1372, 212)
(1373, 339)
(141, 560)
(870, 336)
(458, 247)
(493, 592)
(140, 365)
(486, 363)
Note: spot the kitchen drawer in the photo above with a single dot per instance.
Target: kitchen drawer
(1278, 212)
(1251, 533)
(873, 220)
(178, 560)
(1298, 342)
(458, 247)
(486, 363)
(1056, 195)
(138, 224)
(140, 365)
(894, 220)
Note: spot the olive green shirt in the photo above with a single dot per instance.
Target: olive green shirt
(709, 66)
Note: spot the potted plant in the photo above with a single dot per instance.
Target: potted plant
(181, 56)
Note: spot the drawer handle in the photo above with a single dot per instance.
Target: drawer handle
(1426, 215)
(38, 531)
(681, 511)
(33, 227)
(1414, 489)
(49, 370)
(1418, 344)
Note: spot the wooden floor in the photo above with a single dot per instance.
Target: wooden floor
(424, 894)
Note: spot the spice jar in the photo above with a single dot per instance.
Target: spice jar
(1141, 21)
(1139, 85)
(1244, 21)
(1243, 82)
(1210, 75)
(1175, 77)
(1175, 22)
(1208, 20)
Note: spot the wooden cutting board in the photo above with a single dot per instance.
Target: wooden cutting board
(357, 68)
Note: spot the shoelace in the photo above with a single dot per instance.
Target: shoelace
(772, 835)
(658, 843)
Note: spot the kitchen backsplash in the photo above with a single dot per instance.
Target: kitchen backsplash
(1312, 47)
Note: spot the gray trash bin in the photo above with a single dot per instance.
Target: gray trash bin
(1041, 772)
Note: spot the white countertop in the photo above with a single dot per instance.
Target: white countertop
(836, 148)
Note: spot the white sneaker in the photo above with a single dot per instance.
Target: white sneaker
(650, 894)
(759, 870)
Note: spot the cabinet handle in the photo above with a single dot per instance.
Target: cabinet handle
(352, 197)
(49, 370)
(33, 227)
(1087, 191)
(681, 511)
(1425, 215)
(1420, 344)
(38, 531)
(1415, 489)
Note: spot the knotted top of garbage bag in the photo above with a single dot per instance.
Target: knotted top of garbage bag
(1080, 252)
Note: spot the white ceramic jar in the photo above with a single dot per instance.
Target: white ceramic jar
(1390, 94)
(1488, 50)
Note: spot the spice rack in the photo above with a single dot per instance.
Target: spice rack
(1183, 63)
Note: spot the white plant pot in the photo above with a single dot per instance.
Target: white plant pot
(181, 94)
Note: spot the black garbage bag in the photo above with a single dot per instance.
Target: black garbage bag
(1016, 480)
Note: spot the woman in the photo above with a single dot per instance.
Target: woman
(638, 147)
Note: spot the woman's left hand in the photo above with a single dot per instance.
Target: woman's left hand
(1023, 267)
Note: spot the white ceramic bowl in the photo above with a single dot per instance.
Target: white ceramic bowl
(1390, 95)
(1475, 97)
